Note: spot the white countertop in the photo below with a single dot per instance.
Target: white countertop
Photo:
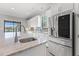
(16, 47)
(41, 38)
(65, 42)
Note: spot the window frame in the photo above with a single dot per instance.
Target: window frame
(13, 25)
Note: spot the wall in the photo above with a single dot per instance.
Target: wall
(9, 18)
(33, 22)
(37, 21)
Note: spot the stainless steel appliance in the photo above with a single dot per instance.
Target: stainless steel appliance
(63, 24)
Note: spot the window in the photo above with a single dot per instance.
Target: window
(45, 23)
(9, 28)
(42, 25)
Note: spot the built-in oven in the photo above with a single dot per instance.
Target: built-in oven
(63, 27)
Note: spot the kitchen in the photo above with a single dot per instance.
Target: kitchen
(52, 26)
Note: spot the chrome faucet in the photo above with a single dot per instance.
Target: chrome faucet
(16, 36)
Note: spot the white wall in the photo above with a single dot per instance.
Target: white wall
(33, 22)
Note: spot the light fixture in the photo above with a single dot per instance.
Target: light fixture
(12, 8)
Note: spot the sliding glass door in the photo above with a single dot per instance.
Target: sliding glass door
(9, 28)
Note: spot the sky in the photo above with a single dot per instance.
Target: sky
(9, 24)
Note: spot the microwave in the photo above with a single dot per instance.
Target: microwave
(63, 24)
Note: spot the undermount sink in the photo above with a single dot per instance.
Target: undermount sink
(24, 40)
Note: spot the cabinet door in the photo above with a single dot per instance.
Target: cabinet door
(34, 51)
(52, 11)
(65, 6)
(59, 50)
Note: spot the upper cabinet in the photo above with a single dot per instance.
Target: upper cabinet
(65, 6)
(58, 8)
(52, 11)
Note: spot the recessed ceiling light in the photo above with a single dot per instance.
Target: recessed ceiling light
(12, 8)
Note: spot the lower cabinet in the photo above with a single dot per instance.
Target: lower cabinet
(52, 49)
(58, 49)
(39, 50)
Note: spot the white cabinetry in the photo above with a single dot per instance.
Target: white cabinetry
(61, 7)
(65, 6)
(52, 11)
(39, 50)
(59, 50)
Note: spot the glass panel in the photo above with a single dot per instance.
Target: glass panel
(10, 28)
(44, 21)
(16, 24)
(64, 26)
(44, 24)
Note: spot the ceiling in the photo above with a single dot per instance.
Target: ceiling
(23, 10)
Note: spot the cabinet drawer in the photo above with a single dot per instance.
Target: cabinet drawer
(59, 50)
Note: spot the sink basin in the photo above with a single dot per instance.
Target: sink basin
(24, 40)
